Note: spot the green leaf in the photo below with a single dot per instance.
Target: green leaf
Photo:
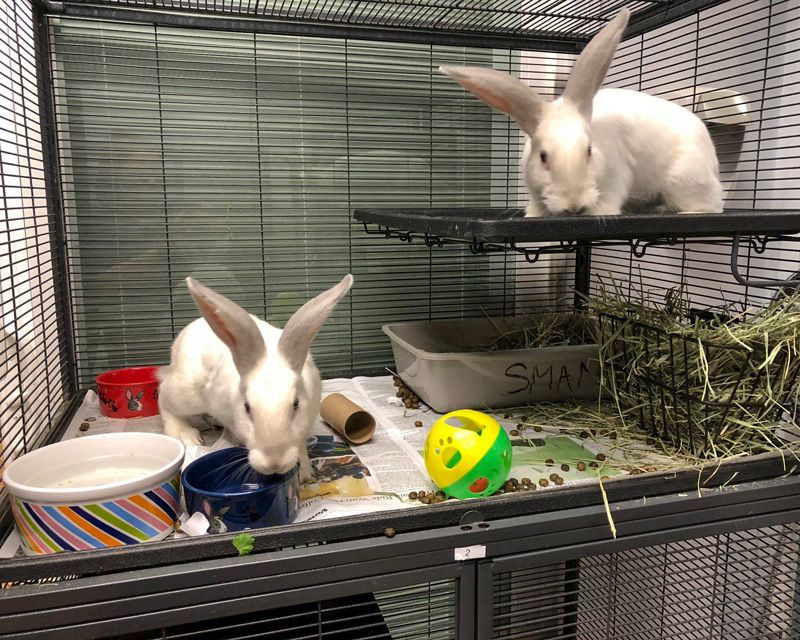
(244, 543)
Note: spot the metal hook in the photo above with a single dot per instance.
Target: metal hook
(760, 241)
(638, 248)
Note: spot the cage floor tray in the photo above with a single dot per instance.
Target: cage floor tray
(510, 225)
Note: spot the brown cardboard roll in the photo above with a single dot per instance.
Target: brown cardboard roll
(347, 418)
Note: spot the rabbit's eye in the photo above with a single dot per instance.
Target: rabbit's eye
(589, 152)
(543, 157)
(247, 407)
(296, 404)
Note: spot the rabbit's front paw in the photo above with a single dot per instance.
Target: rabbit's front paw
(306, 472)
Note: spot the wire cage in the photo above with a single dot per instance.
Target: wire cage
(690, 390)
(240, 142)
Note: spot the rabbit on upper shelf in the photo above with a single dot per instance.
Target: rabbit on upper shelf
(594, 150)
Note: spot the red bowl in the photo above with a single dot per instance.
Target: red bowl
(128, 393)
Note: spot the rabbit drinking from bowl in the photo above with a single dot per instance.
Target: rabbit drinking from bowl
(257, 380)
(595, 150)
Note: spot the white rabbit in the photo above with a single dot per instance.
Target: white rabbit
(258, 381)
(595, 151)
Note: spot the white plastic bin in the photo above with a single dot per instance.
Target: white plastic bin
(438, 361)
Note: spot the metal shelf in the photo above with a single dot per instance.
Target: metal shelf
(487, 230)
(509, 226)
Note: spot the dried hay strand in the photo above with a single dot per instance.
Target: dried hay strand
(711, 383)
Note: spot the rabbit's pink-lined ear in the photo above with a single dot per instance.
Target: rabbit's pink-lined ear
(305, 323)
(232, 324)
(128, 394)
(502, 91)
(590, 68)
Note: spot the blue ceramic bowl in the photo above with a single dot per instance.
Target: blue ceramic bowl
(233, 496)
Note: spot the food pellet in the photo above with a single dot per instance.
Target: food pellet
(514, 432)
(422, 493)
(418, 423)
(84, 426)
(593, 464)
(604, 477)
(584, 434)
(553, 476)
(565, 467)
(613, 435)
(399, 394)
(581, 466)
(440, 494)
(601, 456)
(413, 495)
(537, 428)
(549, 462)
(559, 481)
(543, 482)
(389, 532)
(526, 482)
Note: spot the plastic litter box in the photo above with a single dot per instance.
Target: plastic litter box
(439, 361)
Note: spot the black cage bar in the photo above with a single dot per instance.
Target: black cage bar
(251, 143)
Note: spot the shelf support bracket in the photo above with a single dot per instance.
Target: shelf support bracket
(759, 245)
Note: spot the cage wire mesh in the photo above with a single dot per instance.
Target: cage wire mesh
(739, 585)
(568, 20)
(735, 65)
(418, 612)
(34, 372)
(238, 162)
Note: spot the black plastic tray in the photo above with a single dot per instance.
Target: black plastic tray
(510, 225)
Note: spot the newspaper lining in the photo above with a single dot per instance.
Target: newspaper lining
(367, 478)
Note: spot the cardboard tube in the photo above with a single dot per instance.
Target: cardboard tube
(347, 418)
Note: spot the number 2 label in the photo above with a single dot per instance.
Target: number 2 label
(473, 552)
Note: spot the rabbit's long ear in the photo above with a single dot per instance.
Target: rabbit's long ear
(305, 323)
(592, 65)
(232, 324)
(502, 91)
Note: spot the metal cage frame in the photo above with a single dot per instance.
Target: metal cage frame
(144, 589)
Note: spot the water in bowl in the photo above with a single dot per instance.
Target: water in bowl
(82, 474)
(235, 476)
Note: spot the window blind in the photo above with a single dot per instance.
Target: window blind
(238, 158)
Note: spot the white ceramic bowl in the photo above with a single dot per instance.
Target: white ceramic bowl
(96, 491)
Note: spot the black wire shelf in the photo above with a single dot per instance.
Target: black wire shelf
(489, 229)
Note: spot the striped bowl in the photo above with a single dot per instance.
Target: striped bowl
(98, 491)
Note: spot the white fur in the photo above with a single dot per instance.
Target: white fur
(202, 378)
(643, 148)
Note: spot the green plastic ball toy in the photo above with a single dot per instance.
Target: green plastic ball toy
(467, 454)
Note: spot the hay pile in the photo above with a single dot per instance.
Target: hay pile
(713, 385)
(542, 330)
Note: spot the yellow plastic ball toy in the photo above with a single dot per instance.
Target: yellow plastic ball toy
(467, 454)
